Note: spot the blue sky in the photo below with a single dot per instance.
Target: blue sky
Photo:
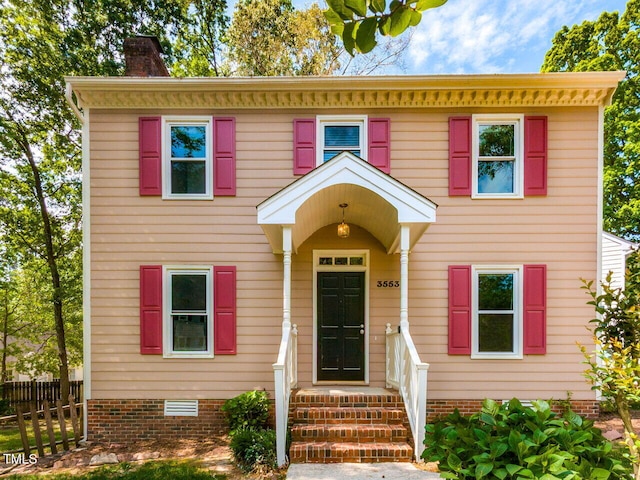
(493, 36)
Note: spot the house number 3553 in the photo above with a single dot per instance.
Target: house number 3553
(388, 283)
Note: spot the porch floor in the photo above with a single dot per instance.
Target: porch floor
(345, 390)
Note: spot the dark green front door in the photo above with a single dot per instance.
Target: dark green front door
(341, 326)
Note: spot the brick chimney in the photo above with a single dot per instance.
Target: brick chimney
(142, 57)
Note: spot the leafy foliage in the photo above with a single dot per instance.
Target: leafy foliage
(510, 441)
(358, 22)
(271, 37)
(199, 47)
(249, 410)
(614, 367)
(618, 312)
(611, 43)
(252, 443)
(40, 156)
(254, 449)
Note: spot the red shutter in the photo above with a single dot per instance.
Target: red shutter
(151, 309)
(460, 156)
(150, 155)
(380, 143)
(304, 145)
(224, 307)
(224, 156)
(460, 310)
(535, 155)
(535, 309)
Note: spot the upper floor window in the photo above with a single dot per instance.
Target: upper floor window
(339, 134)
(188, 157)
(498, 156)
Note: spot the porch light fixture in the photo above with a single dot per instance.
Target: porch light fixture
(343, 228)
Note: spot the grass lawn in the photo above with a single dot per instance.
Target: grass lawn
(158, 470)
(10, 436)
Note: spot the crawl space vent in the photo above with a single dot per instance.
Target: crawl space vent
(181, 408)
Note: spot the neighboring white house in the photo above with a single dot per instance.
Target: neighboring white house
(75, 373)
(615, 251)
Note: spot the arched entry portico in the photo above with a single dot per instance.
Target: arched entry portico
(396, 215)
(391, 211)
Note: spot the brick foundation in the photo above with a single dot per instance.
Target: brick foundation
(127, 421)
(439, 408)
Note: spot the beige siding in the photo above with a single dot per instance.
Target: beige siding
(128, 230)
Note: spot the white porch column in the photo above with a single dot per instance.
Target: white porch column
(404, 277)
(286, 287)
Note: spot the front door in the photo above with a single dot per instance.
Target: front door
(341, 324)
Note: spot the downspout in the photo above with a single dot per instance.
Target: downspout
(86, 256)
(600, 214)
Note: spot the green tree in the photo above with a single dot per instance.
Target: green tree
(614, 367)
(10, 326)
(271, 38)
(611, 43)
(36, 350)
(200, 45)
(358, 22)
(40, 188)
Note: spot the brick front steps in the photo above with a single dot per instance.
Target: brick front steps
(340, 425)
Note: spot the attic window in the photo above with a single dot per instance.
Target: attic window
(341, 133)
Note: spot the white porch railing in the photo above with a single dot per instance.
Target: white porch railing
(285, 371)
(405, 372)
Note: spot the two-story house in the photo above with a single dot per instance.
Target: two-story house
(336, 234)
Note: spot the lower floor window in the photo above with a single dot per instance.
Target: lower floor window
(189, 311)
(497, 317)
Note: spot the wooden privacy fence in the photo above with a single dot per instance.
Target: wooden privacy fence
(71, 432)
(24, 393)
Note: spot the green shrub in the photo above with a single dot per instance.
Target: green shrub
(249, 410)
(253, 449)
(509, 441)
(5, 408)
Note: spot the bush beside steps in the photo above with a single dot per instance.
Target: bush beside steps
(253, 443)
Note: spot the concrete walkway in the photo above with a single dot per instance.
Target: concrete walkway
(357, 471)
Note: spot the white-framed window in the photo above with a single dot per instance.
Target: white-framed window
(498, 156)
(497, 319)
(337, 134)
(188, 157)
(188, 311)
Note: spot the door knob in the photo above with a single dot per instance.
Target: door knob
(362, 329)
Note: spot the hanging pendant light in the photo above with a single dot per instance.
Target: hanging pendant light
(343, 228)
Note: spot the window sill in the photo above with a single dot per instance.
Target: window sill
(187, 197)
(496, 356)
(188, 355)
(510, 196)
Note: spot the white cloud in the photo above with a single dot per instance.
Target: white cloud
(491, 36)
